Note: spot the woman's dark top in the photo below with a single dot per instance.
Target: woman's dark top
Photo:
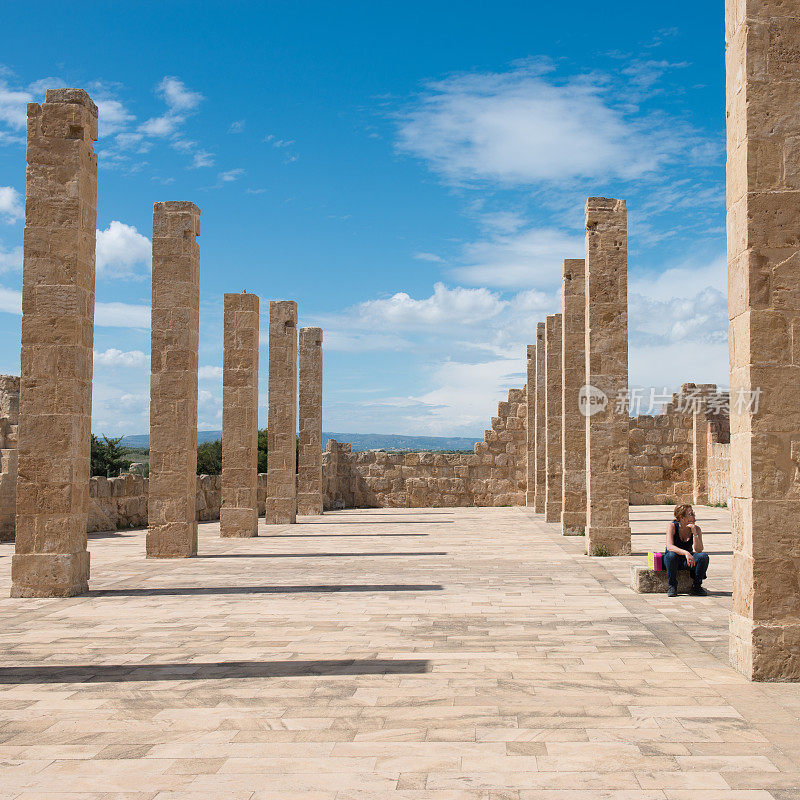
(685, 544)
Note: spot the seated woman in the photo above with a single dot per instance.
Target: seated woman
(685, 549)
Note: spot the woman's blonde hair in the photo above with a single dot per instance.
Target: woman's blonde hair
(680, 510)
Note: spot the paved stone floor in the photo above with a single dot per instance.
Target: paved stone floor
(433, 653)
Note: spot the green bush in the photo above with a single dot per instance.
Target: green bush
(107, 457)
(209, 458)
(600, 551)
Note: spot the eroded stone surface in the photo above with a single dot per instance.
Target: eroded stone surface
(239, 511)
(552, 411)
(51, 558)
(763, 181)
(530, 426)
(309, 472)
(573, 422)
(282, 421)
(9, 437)
(606, 353)
(540, 434)
(174, 335)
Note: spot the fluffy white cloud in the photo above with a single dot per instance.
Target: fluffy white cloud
(210, 373)
(120, 249)
(444, 307)
(13, 106)
(527, 125)
(121, 315)
(12, 207)
(121, 358)
(528, 257)
(428, 257)
(10, 300)
(112, 116)
(177, 96)
(10, 260)
(231, 175)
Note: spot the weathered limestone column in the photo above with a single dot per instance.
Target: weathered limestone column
(9, 440)
(50, 558)
(540, 432)
(171, 506)
(309, 473)
(606, 352)
(282, 420)
(573, 425)
(763, 84)
(238, 516)
(530, 427)
(552, 402)
(700, 438)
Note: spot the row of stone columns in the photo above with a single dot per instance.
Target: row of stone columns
(51, 557)
(578, 382)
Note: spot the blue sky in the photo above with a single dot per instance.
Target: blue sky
(411, 174)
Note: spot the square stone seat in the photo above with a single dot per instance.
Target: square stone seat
(648, 581)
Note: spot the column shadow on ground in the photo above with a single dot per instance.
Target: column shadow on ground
(319, 555)
(330, 535)
(217, 670)
(321, 589)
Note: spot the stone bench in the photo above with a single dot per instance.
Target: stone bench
(647, 581)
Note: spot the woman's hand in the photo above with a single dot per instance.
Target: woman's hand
(690, 559)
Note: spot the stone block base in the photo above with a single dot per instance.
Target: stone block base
(49, 574)
(280, 512)
(552, 513)
(172, 540)
(614, 541)
(764, 652)
(573, 524)
(648, 581)
(309, 505)
(238, 523)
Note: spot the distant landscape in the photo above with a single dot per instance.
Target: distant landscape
(359, 441)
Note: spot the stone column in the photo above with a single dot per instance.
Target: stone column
(50, 557)
(540, 432)
(700, 439)
(530, 427)
(171, 507)
(763, 84)
(282, 420)
(309, 474)
(9, 438)
(552, 402)
(573, 425)
(238, 515)
(606, 352)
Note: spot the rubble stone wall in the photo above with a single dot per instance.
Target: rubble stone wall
(494, 475)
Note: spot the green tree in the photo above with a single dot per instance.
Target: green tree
(107, 457)
(262, 450)
(209, 458)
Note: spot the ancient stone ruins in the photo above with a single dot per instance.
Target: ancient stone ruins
(564, 445)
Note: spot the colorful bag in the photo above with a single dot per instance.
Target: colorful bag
(655, 561)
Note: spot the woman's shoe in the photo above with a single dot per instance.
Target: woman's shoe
(672, 591)
(698, 591)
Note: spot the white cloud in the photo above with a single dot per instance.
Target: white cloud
(119, 358)
(13, 106)
(237, 126)
(529, 257)
(120, 249)
(345, 341)
(165, 125)
(112, 116)
(231, 175)
(209, 373)
(10, 260)
(121, 315)
(527, 125)
(10, 300)
(202, 158)
(177, 96)
(457, 306)
(428, 257)
(12, 207)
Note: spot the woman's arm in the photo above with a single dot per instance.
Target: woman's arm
(697, 537)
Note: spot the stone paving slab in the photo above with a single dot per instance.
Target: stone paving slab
(426, 653)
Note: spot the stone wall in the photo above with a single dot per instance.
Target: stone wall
(494, 475)
(9, 430)
(719, 460)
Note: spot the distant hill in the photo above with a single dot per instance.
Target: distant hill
(359, 441)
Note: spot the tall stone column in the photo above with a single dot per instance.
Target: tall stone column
(171, 506)
(238, 516)
(573, 425)
(540, 432)
(51, 559)
(282, 421)
(9, 439)
(552, 402)
(763, 84)
(530, 427)
(700, 437)
(309, 473)
(606, 352)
